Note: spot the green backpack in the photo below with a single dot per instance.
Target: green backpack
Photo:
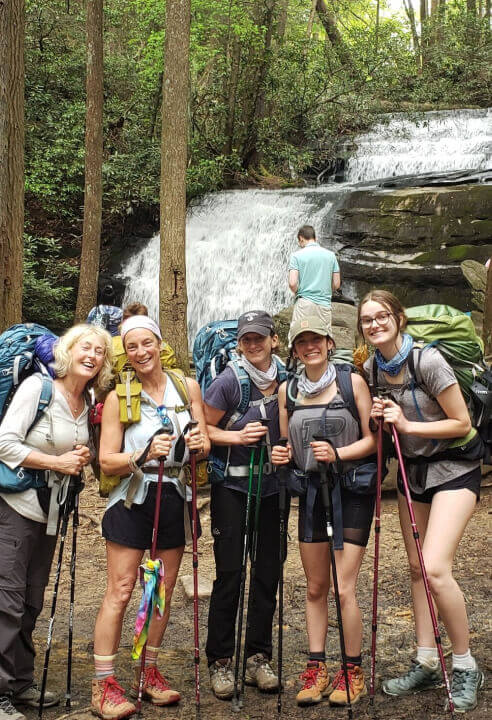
(452, 332)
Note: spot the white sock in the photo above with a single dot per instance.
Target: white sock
(428, 657)
(464, 662)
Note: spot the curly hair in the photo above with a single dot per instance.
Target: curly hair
(63, 356)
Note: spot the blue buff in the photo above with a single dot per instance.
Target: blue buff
(393, 366)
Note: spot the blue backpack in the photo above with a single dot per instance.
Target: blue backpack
(18, 360)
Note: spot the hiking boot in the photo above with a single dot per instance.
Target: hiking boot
(259, 672)
(465, 685)
(8, 711)
(32, 695)
(316, 683)
(420, 677)
(357, 686)
(108, 699)
(222, 679)
(156, 688)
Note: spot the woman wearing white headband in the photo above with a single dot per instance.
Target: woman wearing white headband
(128, 521)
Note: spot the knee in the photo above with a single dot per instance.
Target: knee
(119, 594)
(346, 593)
(415, 571)
(316, 591)
(438, 578)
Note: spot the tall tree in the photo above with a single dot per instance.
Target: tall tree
(328, 19)
(12, 21)
(487, 318)
(172, 277)
(91, 234)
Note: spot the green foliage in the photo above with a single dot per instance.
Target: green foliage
(48, 283)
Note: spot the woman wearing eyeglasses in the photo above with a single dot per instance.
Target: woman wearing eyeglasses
(444, 491)
(128, 531)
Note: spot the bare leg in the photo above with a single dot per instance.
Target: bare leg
(348, 563)
(316, 562)
(172, 561)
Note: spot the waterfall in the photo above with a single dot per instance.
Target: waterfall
(438, 141)
(239, 242)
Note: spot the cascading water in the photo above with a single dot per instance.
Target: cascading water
(239, 242)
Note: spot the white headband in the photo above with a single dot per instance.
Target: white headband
(139, 321)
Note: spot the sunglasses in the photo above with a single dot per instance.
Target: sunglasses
(166, 421)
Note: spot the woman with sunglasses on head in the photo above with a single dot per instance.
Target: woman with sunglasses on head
(319, 408)
(128, 531)
(444, 491)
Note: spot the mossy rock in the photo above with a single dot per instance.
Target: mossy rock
(475, 274)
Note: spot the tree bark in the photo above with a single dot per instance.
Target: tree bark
(172, 278)
(328, 20)
(312, 13)
(230, 122)
(413, 26)
(91, 234)
(282, 20)
(12, 23)
(487, 317)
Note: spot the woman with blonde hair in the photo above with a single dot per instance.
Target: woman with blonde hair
(58, 445)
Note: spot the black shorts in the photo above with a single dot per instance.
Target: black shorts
(357, 513)
(469, 481)
(133, 528)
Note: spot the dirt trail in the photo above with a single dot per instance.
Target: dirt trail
(395, 633)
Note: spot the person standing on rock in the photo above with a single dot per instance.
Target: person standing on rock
(314, 275)
(232, 440)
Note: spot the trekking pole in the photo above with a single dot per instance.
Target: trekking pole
(425, 580)
(236, 703)
(326, 489)
(194, 536)
(254, 550)
(282, 504)
(73, 558)
(167, 430)
(63, 534)
(377, 531)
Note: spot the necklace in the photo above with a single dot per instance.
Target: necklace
(73, 403)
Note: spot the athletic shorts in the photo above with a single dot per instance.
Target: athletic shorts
(357, 513)
(469, 481)
(133, 528)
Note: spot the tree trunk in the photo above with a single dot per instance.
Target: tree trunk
(282, 20)
(12, 21)
(328, 20)
(471, 7)
(91, 234)
(413, 26)
(230, 122)
(487, 318)
(312, 13)
(172, 278)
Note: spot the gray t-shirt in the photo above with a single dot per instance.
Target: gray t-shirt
(437, 376)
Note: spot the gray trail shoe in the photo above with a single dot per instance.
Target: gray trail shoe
(418, 678)
(259, 672)
(222, 679)
(31, 696)
(8, 711)
(465, 685)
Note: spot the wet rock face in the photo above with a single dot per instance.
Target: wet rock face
(413, 239)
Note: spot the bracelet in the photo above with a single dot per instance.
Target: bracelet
(132, 461)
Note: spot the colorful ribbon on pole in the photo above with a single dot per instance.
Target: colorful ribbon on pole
(153, 597)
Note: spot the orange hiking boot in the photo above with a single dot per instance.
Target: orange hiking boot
(316, 683)
(357, 686)
(108, 699)
(156, 688)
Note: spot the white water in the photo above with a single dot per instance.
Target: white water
(239, 242)
(437, 142)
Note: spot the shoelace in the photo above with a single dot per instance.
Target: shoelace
(310, 675)
(461, 678)
(113, 692)
(154, 678)
(339, 679)
(6, 706)
(267, 668)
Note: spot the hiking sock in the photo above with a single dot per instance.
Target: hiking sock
(317, 657)
(356, 660)
(464, 662)
(104, 665)
(428, 657)
(151, 654)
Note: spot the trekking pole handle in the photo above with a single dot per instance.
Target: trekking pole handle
(192, 424)
(160, 431)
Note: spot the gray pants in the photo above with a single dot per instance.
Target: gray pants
(306, 308)
(26, 553)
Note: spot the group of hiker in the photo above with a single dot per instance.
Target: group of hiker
(314, 429)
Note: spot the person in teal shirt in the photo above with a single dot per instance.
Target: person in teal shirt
(314, 274)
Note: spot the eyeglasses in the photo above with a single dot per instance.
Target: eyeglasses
(381, 318)
(166, 421)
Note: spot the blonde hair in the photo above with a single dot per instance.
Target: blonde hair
(63, 357)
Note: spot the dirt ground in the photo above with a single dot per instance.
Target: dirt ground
(395, 633)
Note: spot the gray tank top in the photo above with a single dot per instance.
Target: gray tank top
(334, 420)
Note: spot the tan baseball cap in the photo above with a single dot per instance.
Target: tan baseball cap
(308, 324)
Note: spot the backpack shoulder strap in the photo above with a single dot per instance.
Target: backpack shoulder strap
(44, 399)
(291, 393)
(344, 374)
(178, 378)
(244, 383)
(374, 375)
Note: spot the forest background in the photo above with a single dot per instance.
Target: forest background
(275, 85)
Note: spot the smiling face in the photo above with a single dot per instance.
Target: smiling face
(258, 349)
(143, 350)
(380, 325)
(312, 349)
(87, 356)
